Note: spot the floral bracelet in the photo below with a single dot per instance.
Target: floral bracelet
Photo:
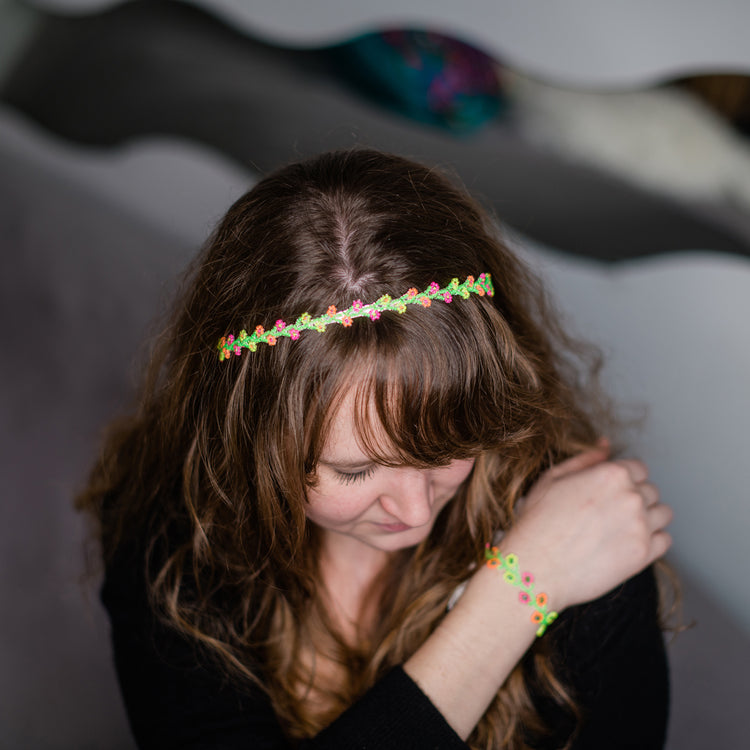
(523, 581)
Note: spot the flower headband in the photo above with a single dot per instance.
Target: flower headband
(230, 345)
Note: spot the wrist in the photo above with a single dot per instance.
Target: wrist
(548, 576)
(507, 564)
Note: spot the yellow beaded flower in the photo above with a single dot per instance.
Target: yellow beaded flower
(229, 345)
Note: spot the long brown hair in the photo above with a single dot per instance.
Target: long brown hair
(210, 474)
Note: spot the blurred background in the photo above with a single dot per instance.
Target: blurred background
(610, 138)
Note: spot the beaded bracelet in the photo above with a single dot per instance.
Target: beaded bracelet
(525, 582)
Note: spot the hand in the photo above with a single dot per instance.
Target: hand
(588, 524)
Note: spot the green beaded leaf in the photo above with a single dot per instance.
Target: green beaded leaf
(229, 345)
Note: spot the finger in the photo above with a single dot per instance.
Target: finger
(581, 461)
(649, 493)
(637, 469)
(659, 517)
(661, 541)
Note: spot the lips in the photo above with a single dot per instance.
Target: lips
(394, 528)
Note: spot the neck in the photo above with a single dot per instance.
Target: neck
(352, 558)
(349, 569)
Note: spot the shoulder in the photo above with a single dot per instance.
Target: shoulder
(611, 656)
(175, 694)
(626, 615)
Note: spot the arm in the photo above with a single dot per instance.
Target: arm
(582, 512)
(613, 656)
(587, 525)
(176, 698)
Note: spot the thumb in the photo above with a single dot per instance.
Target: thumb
(582, 460)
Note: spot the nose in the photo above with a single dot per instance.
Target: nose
(409, 498)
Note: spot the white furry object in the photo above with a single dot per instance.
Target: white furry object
(664, 138)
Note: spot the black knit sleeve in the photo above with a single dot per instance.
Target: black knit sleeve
(613, 656)
(610, 653)
(175, 698)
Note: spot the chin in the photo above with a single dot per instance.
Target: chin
(393, 541)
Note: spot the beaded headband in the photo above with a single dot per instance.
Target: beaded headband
(229, 345)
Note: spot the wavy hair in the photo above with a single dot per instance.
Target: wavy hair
(210, 474)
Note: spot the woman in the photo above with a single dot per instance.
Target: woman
(294, 524)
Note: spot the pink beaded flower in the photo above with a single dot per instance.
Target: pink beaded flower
(228, 345)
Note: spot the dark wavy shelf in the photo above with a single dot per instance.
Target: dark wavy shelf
(168, 68)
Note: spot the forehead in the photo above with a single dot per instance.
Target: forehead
(403, 402)
(353, 413)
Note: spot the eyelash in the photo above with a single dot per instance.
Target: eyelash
(359, 476)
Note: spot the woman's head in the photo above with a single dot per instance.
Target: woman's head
(459, 404)
(431, 385)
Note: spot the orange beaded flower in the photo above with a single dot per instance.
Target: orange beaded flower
(524, 581)
(229, 345)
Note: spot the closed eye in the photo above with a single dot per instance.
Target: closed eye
(358, 476)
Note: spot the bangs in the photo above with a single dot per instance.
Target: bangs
(428, 386)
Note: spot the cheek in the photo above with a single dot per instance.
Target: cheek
(333, 504)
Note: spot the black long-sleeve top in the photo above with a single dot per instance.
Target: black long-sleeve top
(610, 652)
